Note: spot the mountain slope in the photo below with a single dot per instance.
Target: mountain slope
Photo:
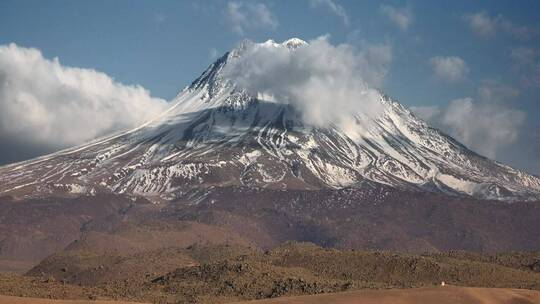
(216, 134)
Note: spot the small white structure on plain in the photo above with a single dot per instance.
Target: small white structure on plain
(443, 283)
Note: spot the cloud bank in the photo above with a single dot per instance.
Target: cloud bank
(486, 123)
(486, 127)
(450, 68)
(326, 83)
(45, 106)
(251, 15)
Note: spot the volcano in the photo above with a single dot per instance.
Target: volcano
(217, 134)
(225, 165)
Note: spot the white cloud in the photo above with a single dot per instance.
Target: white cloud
(326, 83)
(159, 18)
(527, 64)
(426, 112)
(523, 55)
(46, 105)
(495, 92)
(213, 53)
(486, 26)
(481, 24)
(333, 7)
(249, 15)
(485, 124)
(532, 78)
(400, 16)
(449, 68)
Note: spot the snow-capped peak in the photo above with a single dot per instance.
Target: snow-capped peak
(294, 43)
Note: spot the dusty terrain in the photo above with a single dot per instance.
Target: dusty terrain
(220, 273)
(379, 219)
(435, 295)
(20, 300)
(438, 295)
(111, 247)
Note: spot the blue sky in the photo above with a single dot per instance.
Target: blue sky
(442, 51)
